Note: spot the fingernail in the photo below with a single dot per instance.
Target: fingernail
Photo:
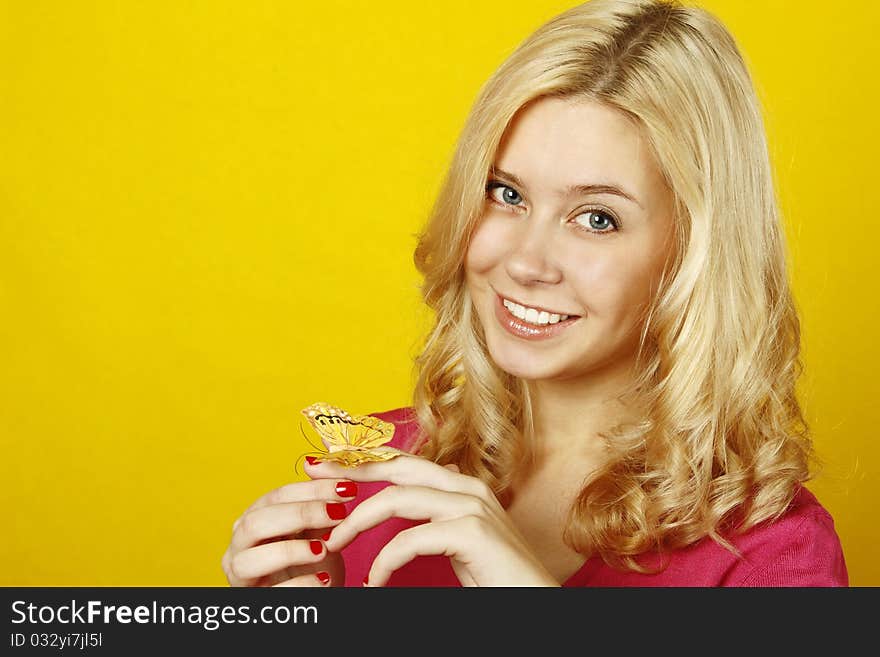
(346, 489)
(312, 460)
(323, 577)
(326, 537)
(365, 580)
(336, 510)
(316, 547)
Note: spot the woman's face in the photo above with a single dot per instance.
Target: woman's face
(554, 237)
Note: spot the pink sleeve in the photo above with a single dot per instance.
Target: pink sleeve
(810, 555)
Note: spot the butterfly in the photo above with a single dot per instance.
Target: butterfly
(351, 440)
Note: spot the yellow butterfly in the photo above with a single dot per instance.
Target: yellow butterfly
(351, 440)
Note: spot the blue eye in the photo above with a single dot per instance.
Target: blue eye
(509, 196)
(602, 225)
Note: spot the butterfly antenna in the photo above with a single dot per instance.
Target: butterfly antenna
(299, 460)
(296, 464)
(322, 451)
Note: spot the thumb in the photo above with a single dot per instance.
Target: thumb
(452, 466)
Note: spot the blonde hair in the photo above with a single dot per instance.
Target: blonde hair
(720, 439)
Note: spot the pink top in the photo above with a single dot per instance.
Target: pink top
(800, 549)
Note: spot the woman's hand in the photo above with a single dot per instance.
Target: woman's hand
(466, 523)
(276, 541)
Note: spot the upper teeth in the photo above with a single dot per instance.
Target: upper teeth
(533, 316)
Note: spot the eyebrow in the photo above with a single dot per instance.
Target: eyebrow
(582, 189)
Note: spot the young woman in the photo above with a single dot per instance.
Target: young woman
(608, 394)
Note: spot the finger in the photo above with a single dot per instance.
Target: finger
(271, 557)
(319, 579)
(405, 469)
(284, 519)
(411, 502)
(452, 466)
(304, 491)
(433, 538)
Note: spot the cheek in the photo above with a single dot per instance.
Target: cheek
(613, 283)
(486, 248)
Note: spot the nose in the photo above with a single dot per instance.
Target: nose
(531, 258)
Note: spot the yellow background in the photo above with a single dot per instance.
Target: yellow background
(207, 217)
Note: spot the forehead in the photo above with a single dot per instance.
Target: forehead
(553, 142)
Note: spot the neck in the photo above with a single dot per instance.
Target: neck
(569, 414)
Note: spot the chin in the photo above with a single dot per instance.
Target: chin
(530, 367)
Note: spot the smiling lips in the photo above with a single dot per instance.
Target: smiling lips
(530, 323)
(534, 314)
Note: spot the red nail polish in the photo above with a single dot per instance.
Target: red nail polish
(346, 489)
(316, 547)
(326, 537)
(365, 580)
(336, 510)
(323, 577)
(312, 460)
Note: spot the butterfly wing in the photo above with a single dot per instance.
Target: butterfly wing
(329, 422)
(368, 432)
(350, 440)
(353, 457)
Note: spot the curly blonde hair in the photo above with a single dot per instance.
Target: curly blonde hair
(720, 441)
